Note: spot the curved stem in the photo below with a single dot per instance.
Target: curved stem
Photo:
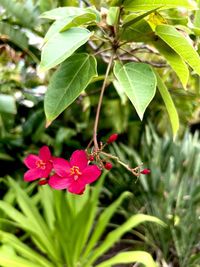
(96, 146)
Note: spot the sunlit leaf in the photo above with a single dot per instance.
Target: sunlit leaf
(61, 46)
(174, 60)
(130, 257)
(138, 82)
(67, 83)
(180, 44)
(171, 109)
(138, 5)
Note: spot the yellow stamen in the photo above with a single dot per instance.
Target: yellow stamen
(40, 164)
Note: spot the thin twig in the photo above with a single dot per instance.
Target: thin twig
(100, 52)
(96, 146)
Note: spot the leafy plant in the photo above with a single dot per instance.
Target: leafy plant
(170, 192)
(65, 229)
(116, 35)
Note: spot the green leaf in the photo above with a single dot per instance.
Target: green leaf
(103, 222)
(79, 20)
(34, 218)
(46, 198)
(138, 82)
(66, 23)
(130, 257)
(120, 92)
(116, 234)
(113, 16)
(138, 5)
(174, 60)
(7, 104)
(139, 32)
(23, 249)
(61, 46)
(56, 27)
(67, 83)
(132, 18)
(171, 109)
(180, 44)
(16, 36)
(197, 16)
(62, 12)
(15, 261)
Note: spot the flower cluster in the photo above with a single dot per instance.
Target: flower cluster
(76, 173)
(59, 173)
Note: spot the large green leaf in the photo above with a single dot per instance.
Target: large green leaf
(138, 82)
(61, 46)
(171, 109)
(66, 23)
(130, 257)
(138, 5)
(174, 60)
(67, 83)
(180, 44)
(16, 36)
(116, 234)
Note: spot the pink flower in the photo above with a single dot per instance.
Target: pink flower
(39, 166)
(75, 174)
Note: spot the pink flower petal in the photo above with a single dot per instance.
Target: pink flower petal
(45, 153)
(61, 167)
(33, 174)
(90, 174)
(76, 187)
(47, 170)
(30, 161)
(58, 183)
(79, 158)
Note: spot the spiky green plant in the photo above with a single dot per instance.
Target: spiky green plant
(171, 192)
(59, 229)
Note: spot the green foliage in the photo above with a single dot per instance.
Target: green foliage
(65, 44)
(138, 5)
(16, 36)
(64, 234)
(169, 104)
(173, 38)
(138, 81)
(170, 192)
(65, 86)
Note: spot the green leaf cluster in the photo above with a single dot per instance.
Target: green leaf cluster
(69, 231)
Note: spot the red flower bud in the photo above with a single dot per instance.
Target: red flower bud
(108, 166)
(112, 138)
(43, 182)
(145, 171)
(91, 158)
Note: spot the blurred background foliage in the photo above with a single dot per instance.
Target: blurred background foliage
(171, 192)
